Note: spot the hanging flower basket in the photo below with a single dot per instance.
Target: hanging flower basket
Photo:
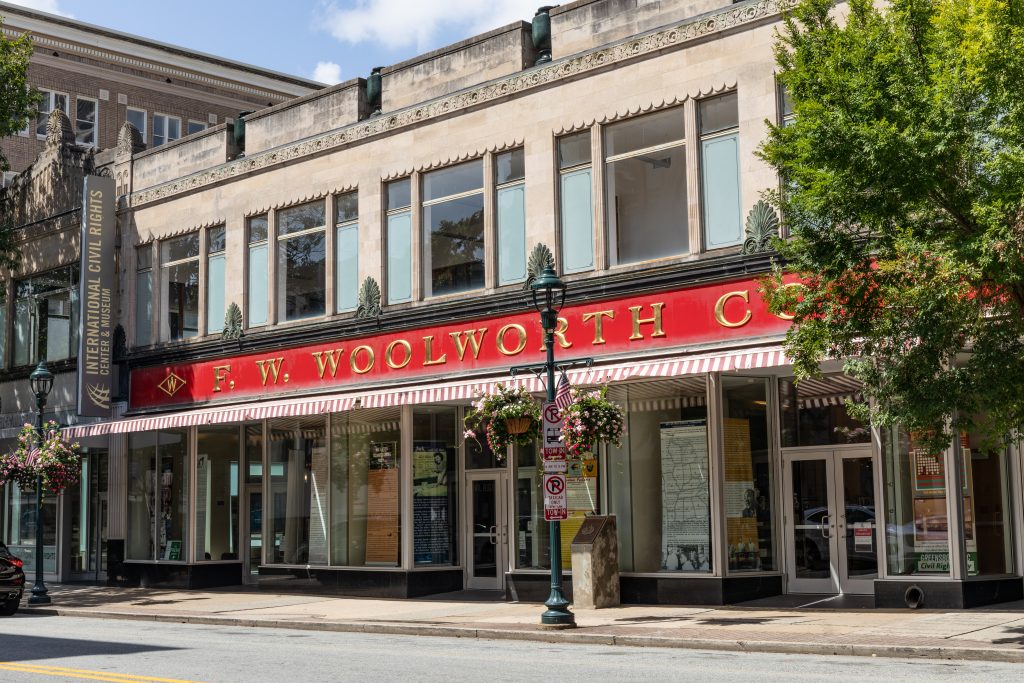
(508, 416)
(591, 418)
(52, 458)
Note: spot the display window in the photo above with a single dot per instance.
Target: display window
(814, 411)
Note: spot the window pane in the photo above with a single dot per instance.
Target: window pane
(215, 237)
(181, 302)
(511, 235)
(195, 127)
(258, 285)
(987, 510)
(533, 550)
(186, 246)
(173, 129)
(298, 472)
(346, 207)
(346, 288)
(645, 131)
(143, 257)
(365, 505)
(216, 282)
(399, 258)
(85, 122)
(143, 308)
(721, 164)
(58, 325)
(172, 485)
(142, 500)
(258, 228)
(3, 326)
(302, 217)
(577, 221)
(785, 102)
(159, 128)
(509, 167)
(813, 412)
(23, 332)
(435, 470)
(454, 236)
(647, 206)
(718, 113)
(217, 472)
(574, 150)
(399, 194)
(748, 474)
(454, 180)
(302, 276)
(137, 117)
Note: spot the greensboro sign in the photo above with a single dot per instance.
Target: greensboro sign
(96, 331)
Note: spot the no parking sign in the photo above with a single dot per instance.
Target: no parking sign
(554, 497)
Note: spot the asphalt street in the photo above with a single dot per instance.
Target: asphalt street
(37, 648)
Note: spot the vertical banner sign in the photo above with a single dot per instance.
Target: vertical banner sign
(96, 294)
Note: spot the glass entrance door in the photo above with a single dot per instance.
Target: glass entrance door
(87, 503)
(831, 535)
(487, 532)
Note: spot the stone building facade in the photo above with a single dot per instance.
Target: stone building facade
(308, 318)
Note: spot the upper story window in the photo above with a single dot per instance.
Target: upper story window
(302, 261)
(453, 229)
(46, 316)
(48, 101)
(258, 229)
(216, 279)
(165, 128)
(645, 177)
(398, 236)
(346, 251)
(720, 171)
(785, 104)
(179, 265)
(510, 200)
(86, 121)
(576, 206)
(144, 295)
(195, 127)
(137, 117)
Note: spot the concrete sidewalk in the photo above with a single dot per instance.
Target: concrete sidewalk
(984, 634)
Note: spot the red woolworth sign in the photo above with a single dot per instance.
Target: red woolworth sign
(702, 314)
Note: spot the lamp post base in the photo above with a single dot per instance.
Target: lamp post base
(39, 596)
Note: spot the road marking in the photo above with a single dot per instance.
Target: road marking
(87, 674)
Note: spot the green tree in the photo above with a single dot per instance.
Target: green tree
(903, 191)
(17, 99)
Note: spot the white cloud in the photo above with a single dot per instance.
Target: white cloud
(404, 23)
(327, 72)
(50, 6)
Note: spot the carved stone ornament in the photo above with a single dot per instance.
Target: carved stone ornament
(129, 140)
(762, 226)
(369, 299)
(58, 129)
(232, 323)
(540, 257)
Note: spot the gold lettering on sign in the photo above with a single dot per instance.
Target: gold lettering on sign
(220, 373)
(327, 359)
(428, 347)
(521, 343)
(270, 368)
(654, 319)
(389, 355)
(598, 318)
(720, 308)
(789, 316)
(353, 360)
(560, 330)
(470, 338)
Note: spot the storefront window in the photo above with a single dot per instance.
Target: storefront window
(217, 472)
(814, 413)
(533, 549)
(20, 528)
(434, 485)
(157, 495)
(987, 514)
(298, 491)
(365, 452)
(916, 524)
(747, 474)
(658, 481)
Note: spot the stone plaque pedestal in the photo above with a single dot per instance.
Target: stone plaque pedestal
(595, 564)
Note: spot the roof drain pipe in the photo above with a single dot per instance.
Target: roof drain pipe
(541, 33)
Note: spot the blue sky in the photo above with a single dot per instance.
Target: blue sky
(329, 40)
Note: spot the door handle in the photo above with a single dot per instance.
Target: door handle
(825, 526)
(493, 531)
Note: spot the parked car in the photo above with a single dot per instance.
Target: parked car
(12, 582)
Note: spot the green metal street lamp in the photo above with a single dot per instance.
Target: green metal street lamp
(548, 296)
(41, 381)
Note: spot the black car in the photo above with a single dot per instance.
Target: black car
(12, 582)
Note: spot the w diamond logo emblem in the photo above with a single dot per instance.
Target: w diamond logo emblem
(171, 384)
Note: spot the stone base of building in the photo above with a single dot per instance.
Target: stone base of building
(360, 582)
(196, 576)
(656, 590)
(947, 594)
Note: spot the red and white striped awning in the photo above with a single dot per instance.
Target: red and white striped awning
(676, 366)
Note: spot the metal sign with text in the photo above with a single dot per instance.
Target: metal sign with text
(96, 298)
(555, 503)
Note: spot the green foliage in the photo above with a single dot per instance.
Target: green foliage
(492, 412)
(904, 195)
(17, 99)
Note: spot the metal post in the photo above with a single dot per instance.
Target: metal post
(39, 596)
(557, 613)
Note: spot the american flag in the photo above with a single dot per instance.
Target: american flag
(562, 396)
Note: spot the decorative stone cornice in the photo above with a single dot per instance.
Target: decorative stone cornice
(294, 201)
(452, 159)
(673, 37)
(618, 115)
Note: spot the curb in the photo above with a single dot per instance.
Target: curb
(580, 637)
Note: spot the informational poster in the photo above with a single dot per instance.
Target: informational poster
(740, 496)
(581, 496)
(931, 523)
(431, 516)
(382, 505)
(685, 503)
